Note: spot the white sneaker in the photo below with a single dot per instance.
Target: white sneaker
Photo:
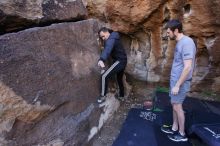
(101, 99)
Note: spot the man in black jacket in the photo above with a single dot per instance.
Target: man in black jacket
(114, 48)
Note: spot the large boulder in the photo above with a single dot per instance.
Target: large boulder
(49, 83)
(17, 15)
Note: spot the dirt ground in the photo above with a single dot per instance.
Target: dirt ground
(111, 128)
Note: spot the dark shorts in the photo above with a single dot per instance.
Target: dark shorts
(180, 97)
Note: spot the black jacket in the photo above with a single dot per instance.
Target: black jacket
(114, 48)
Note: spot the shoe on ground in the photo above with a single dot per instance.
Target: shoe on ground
(177, 137)
(101, 99)
(167, 129)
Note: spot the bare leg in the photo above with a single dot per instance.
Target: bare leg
(175, 120)
(181, 118)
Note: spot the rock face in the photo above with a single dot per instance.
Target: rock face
(17, 15)
(49, 82)
(151, 56)
(48, 75)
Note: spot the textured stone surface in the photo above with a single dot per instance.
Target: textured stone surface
(17, 15)
(49, 80)
(150, 55)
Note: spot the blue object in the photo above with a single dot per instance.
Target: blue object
(142, 128)
(209, 133)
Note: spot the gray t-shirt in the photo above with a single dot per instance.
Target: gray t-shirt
(185, 49)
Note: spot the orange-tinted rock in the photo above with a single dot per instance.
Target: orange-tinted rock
(49, 79)
(201, 21)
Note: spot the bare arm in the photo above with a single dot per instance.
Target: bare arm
(183, 76)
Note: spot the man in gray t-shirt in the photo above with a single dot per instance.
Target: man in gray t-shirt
(185, 50)
(180, 78)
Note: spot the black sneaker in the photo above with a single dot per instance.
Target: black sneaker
(177, 137)
(101, 99)
(167, 129)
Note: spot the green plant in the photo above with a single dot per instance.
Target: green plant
(162, 89)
